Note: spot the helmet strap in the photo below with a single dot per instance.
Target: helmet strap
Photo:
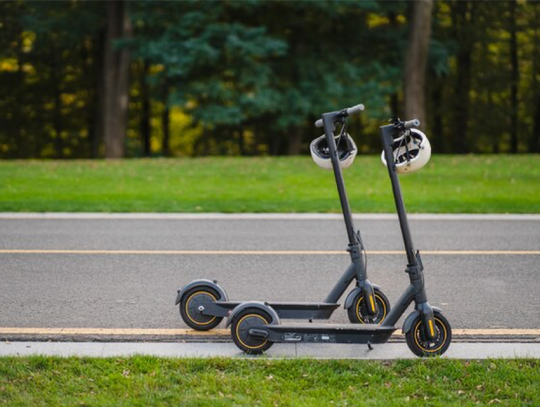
(405, 135)
(342, 132)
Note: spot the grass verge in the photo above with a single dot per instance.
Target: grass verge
(448, 184)
(142, 381)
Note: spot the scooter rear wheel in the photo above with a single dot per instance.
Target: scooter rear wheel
(358, 313)
(242, 322)
(191, 304)
(418, 343)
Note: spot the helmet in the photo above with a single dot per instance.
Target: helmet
(321, 154)
(411, 151)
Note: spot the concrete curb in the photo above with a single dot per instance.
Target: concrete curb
(278, 351)
(223, 335)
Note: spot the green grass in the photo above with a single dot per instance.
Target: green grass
(144, 381)
(448, 184)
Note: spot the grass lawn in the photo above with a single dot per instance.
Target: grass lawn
(144, 381)
(473, 184)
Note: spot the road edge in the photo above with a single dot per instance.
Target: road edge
(262, 216)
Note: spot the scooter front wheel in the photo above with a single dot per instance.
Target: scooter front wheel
(358, 313)
(418, 343)
(240, 327)
(193, 302)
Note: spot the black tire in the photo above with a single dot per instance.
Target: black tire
(190, 303)
(358, 314)
(239, 331)
(416, 338)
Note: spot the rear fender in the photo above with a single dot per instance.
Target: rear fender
(253, 304)
(204, 283)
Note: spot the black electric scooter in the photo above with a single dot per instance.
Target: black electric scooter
(204, 303)
(255, 326)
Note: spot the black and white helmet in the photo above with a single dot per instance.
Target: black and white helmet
(411, 151)
(346, 151)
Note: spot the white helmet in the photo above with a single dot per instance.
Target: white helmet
(411, 151)
(321, 154)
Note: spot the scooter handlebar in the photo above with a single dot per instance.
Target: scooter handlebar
(355, 109)
(349, 111)
(411, 123)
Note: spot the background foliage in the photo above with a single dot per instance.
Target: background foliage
(250, 77)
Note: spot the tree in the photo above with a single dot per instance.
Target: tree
(338, 54)
(534, 138)
(250, 77)
(146, 112)
(47, 77)
(514, 78)
(256, 75)
(214, 64)
(115, 91)
(416, 60)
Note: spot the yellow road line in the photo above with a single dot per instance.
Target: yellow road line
(496, 332)
(268, 252)
(113, 331)
(220, 332)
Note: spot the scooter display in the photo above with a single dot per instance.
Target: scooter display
(255, 326)
(204, 303)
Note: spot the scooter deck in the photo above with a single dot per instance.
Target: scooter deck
(285, 310)
(324, 333)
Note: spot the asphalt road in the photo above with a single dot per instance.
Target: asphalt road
(138, 290)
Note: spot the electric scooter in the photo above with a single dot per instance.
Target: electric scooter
(255, 326)
(204, 303)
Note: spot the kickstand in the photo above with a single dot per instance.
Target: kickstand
(370, 347)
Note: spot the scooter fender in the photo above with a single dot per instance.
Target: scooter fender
(253, 304)
(350, 298)
(203, 282)
(407, 325)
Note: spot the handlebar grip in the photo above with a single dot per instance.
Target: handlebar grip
(411, 123)
(355, 109)
(350, 111)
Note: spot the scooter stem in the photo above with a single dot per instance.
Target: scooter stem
(387, 133)
(329, 127)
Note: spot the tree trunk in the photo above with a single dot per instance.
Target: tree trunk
(394, 104)
(514, 79)
(394, 97)
(115, 80)
(534, 138)
(238, 134)
(56, 73)
(534, 146)
(462, 19)
(95, 115)
(460, 121)
(146, 111)
(166, 129)
(437, 127)
(295, 141)
(494, 134)
(416, 61)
